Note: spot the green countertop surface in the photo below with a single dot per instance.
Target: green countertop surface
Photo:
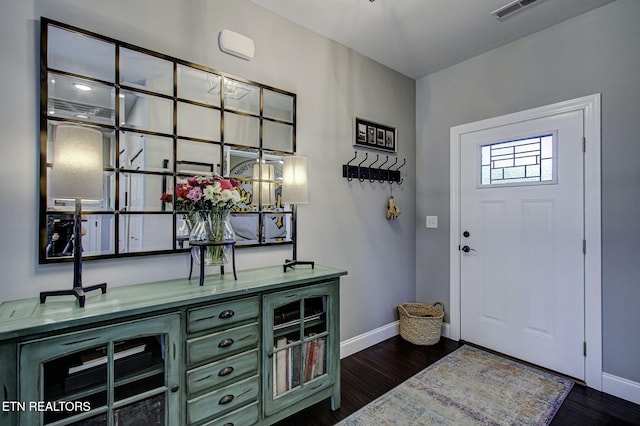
(24, 317)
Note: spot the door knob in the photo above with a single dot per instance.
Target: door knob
(467, 249)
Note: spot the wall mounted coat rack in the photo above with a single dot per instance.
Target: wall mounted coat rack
(380, 173)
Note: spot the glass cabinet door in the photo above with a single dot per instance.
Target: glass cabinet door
(298, 345)
(118, 375)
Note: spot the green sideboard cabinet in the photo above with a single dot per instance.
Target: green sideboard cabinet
(232, 352)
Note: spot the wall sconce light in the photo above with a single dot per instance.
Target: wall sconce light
(295, 191)
(77, 174)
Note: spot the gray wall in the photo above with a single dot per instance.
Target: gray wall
(598, 52)
(344, 224)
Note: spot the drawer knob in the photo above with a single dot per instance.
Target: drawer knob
(225, 371)
(225, 343)
(226, 314)
(226, 399)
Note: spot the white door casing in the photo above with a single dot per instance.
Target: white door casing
(588, 108)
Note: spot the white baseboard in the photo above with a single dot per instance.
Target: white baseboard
(620, 387)
(370, 338)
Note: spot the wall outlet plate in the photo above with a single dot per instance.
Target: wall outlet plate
(432, 222)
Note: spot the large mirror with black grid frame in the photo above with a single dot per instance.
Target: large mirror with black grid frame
(162, 121)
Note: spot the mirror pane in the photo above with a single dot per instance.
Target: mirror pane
(241, 129)
(276, 227)
(108, 140)
(143, 71)
(139, 151)
(145, 232)
(246, 228)
(198, 158)
(242, 97)
(81, 54)
(142, 192)
(97, 238)
(145, 112)
(278, 106)
(271, 182)
(182, 232)
(106, 204)
(239, 164)
(199, 86)
(198, 122)
(80, 99)
(277, 136)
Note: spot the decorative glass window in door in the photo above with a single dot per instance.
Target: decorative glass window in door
(519, 162)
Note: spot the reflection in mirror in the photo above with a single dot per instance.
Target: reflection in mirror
(139, 151)
(80, 99)
(142, 71)
(66, 205)
(278, 106)
(140, 192)
(108, 140)
(198, 86)
(277, 227)
(97, 232)
(242, 97)
(267, 182)
(246, 228)
(277, 136)
(241, 129)
(145, 112)
(198, 122)
(139, 232)
(198, 158)
(79, 54)
(239, 163)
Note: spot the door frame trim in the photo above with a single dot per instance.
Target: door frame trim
(590, 107)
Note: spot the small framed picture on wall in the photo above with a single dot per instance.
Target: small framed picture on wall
(374, 135)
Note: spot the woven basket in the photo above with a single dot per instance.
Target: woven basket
(421, 324)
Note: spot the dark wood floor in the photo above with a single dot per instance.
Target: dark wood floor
(370, 373)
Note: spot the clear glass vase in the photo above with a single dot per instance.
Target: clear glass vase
(213, 226)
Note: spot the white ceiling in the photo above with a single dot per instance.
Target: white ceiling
(419, 37)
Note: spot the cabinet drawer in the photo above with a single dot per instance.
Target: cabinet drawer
(219, 344)
(221, 372)
(222, 314)
(244, 416)
(222, 400)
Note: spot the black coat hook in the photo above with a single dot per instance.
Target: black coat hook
(381, 173)
(400, 179)
(373, 173)
(361, 176)
(390, 172)
(355, 155)
(347, 169)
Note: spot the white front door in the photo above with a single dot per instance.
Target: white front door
(521, 245)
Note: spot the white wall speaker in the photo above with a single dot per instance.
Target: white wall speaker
(236, 44)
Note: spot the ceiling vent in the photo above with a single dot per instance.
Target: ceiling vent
(511, 8)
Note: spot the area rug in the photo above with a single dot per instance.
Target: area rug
(468, 387)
